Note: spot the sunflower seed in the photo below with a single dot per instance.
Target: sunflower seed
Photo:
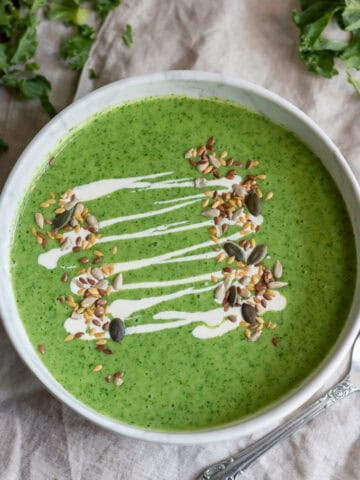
(88, 301)
(66, 244)
(39, 219)
(232, 296)
(70, 205)
(118, 381)
(102, 285)
(249, 313)
(277, 270)
(190, 153)
(79, 209)
(228, 282)
(211, 213)
(76, 316)
(62, 219)
(97, 273)
(117, 329)
(219, 293)
(257, 255)
(118, 281)
(245, 280)
(253, 204)
(244, 293)
(214, 161)
(233, 250)
(200, 182)
(239, 190)
(92, 222)
(73, 221)
(254, 336)
(236, 215)
(202, 165)
(278, 284)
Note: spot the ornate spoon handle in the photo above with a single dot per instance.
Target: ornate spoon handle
(233, 467)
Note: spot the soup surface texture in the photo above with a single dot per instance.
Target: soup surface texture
(185, 365)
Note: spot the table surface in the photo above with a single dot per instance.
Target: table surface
(255, 40)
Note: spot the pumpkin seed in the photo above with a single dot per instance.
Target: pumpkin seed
(278, 284)
(66, 244)
(92, 222)
(236, 215)
(219, 293)
(254, 336)
(200, 182)
(118, 281)
(245, 280)
(97, 273)
(117, 329)
(228, 282)
(277, 270)
(257, 255)
(88, 301)
(211, 213)
(70, 205)
(232, 296)
(245, 293)
(214, 161)
(239, 190)
(249, 313)
(253, 204)
(102, 285)
(62, 219)
(79, 209)
(39, 219)
(234, 250)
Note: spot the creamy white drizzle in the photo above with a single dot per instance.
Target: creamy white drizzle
(213, 323)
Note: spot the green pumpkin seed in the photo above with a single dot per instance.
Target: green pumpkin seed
(253, 204)
(257, 255)
(248, 312)
(62, 219)
(234, 250)
(117, 329)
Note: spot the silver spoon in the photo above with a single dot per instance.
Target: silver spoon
(231, 468)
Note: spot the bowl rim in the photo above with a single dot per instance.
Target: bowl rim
(263, 419)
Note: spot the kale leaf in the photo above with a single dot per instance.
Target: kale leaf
(75, 50)
(69, 12)
(127, 36)
(320, 53)
(103, 7)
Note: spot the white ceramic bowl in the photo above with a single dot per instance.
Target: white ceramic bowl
(194, 84)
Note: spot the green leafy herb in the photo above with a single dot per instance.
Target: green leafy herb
(353, 82)
(69, 12)
(105, 6)
(127, 36)
(18, 21)
(18, 42)
(3, 146)
(75, 50)
(320, 53)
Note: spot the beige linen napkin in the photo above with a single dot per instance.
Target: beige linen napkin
(255, 40)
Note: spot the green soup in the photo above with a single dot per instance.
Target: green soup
(183, 370)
